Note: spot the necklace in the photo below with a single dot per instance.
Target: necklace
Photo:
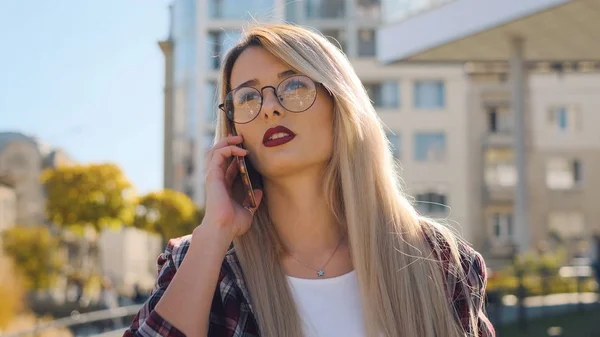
(320, 272)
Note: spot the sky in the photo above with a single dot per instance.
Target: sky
(87, 77)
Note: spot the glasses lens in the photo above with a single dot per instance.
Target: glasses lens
(297, 93)
(243, 104)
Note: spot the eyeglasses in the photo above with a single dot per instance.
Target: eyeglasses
(295, 94)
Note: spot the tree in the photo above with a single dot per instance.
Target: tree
(11, 292)
(80, 195)
(168, 213)
(34, 251)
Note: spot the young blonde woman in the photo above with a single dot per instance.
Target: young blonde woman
(334, 248)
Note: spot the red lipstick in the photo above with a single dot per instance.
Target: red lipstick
(278, 135)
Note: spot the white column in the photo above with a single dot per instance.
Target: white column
(518, 80)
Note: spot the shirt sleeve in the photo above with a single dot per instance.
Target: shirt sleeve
(147, 321)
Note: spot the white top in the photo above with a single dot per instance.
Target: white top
(329, 307)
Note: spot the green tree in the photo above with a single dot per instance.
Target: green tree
(168, 213)
(34, 251)
(98, 195)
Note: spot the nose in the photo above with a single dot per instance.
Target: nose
(271, 106)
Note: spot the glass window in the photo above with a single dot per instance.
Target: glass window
(243, 10)
(191, 111)
(385, 94)
(219, 43)
(562, 173)
(395, 145)
(564, 118)
(499, 119)
(431, 202)
(368, 10)
(500, 168)
(210, 97)
(429, 94)
(325, 9)
(502, 227)
(291, 11)
(430, 146)
(366, 43)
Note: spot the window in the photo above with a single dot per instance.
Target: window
(563, 174)
(191, 111)
(368, 10)
(499, 168)
(430, 146)
(502, 227)
(564, 118)
(394, 140)
(210, 98)
(429, 94)
(235, 9)
(325, 9)
(337, 37)
(219, 43)
(384, 94)
(366, 43)
(499, 119)
(431, 203)
(567, 224)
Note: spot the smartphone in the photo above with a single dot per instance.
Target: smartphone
(248, 175)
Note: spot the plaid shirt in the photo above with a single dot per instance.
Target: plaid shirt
(232, 314)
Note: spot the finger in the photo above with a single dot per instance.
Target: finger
(227, 141)
(232, 172)
(215, 168)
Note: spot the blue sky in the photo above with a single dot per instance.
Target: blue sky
(87, 76)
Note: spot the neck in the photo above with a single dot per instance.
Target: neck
(304, 222)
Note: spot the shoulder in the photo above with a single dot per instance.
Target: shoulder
(463, 267)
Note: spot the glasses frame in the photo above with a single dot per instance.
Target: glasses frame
(262, 98)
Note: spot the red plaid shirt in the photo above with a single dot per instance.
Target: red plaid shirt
(232, 314)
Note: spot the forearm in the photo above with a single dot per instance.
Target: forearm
(187, 301)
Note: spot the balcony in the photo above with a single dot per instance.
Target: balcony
(498, 193)
(498, 139)
(399, 10)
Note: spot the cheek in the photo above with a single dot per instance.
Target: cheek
(252, 136)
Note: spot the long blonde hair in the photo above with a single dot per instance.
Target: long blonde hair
(401, 281)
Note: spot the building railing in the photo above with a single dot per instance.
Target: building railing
(79, 319)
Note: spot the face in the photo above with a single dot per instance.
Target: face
(282, 142)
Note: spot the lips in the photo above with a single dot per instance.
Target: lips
(278, 135)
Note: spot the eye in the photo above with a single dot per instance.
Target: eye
(294, 85)
(245, 97)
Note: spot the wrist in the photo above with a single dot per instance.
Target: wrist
(212, 237)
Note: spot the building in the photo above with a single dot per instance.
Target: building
(534, 139)
(211, 26)
(128, 257)
(563, 155)
(22, 159)
(8, 206)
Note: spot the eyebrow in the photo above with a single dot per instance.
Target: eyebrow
(254, 82)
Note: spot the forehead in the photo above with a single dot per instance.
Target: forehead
(256, 63)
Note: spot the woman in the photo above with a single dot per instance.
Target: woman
(334, 248)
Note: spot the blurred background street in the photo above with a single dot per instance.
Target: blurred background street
(107, 108)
